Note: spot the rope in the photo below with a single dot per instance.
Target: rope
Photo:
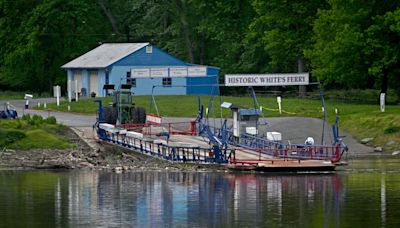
(277, 110)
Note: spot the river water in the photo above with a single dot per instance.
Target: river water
(364, 194)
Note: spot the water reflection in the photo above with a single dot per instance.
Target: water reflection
(182, 199)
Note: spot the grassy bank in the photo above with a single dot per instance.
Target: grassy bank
(361, 120)
(14, 95)
(32, 132)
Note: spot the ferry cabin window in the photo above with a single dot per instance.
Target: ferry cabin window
(167, 81)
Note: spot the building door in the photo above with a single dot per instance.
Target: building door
(78, 77)
(93, 81)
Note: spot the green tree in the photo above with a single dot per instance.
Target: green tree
(284, 29)
(51, 33)
(356, 44)
(337, 55)
(383, 48)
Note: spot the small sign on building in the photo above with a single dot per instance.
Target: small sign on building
(197, 71)
(178, 72)
(140, 73)
(159, 72)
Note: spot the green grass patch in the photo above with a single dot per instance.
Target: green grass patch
(361, 120)
(16, 95)
(32, 132)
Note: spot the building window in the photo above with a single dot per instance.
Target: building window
(149, 49)
(131, 81)
(167, 81)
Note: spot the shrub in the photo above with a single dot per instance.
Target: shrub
(36, 120)
(391, 130)
(26, 117)
(51, 120)
(10, 136)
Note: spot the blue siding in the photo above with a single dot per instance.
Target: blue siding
(144, 86)
(70, 76)
(212, 79)
(117, 75)
(101, 81)
(157, 58)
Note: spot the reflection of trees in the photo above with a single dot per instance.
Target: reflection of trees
(170, 199)
(27, 199)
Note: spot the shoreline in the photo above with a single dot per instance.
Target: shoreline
(91, 154)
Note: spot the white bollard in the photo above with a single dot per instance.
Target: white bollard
(38, 104)
(58, 94)
(279, 100)
(382, 102)
(45, 105)
(69, 108)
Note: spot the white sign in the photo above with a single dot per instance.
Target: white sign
(197, 71)
(382, 102)
(56, 91)
(153, 119)
(140, 73)
(159, 72)
(266, 79)
(178, 72)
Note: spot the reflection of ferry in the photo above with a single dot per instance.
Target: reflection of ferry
(242, 145)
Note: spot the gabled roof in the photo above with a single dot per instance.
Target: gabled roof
(104, 55)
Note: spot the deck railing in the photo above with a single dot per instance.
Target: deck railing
(149, 146)
(261, 146)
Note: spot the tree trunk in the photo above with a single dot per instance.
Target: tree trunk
(384, 82)
(182, 11)
(202, 49)
(105, 6)
(300, 69)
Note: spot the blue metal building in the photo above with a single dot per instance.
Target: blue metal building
(147, 68)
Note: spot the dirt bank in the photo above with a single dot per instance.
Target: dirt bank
(90, 154)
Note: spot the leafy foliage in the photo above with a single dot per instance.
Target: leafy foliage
(345, 44)
(30, 132)
(10, 136)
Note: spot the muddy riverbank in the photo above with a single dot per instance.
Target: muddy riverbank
(98, 155)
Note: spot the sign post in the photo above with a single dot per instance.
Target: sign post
(279, 100)
(57, 93)
(27, 97)
(382, 102)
